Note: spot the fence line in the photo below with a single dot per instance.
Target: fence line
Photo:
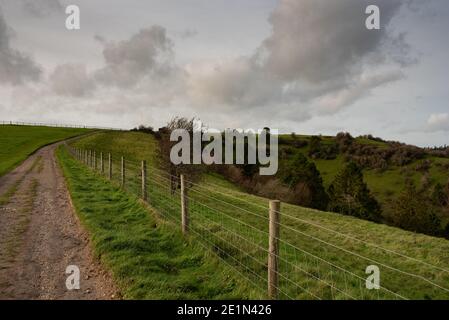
(320, 227)
(278, 262)
(338, 233)
(56, 125)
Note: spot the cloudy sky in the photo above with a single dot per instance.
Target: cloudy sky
(308, 66)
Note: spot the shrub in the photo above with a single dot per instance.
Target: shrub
(344, 141)
(440, 195)
(303, 178)
(144, 129)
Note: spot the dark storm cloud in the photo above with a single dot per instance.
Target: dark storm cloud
(15, 66)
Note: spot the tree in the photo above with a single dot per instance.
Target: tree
(191, 172)
(349, 195)
(446, 231)
(447, 194)
(302, 176)
(414, 211)
(315, 146)
(344, 141)
(439, 195)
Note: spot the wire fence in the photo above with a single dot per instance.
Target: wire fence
(280, 254)
(55, 125)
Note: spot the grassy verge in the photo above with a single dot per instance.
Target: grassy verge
(18, 142)
(149, 259)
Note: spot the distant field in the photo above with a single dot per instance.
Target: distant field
(324, 254)
(18, 142)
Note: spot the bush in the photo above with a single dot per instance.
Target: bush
(144, 129)
(192, 172)
(440, 195)
(446, 231)
(303, 178)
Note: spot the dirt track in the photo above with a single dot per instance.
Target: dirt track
(40, 235)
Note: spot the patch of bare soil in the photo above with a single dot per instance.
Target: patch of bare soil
(41, 235)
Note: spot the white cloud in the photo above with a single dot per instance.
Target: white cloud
(438, 122)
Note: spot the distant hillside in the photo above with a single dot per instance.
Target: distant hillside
(384, 178)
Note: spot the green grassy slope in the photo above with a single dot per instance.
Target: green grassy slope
(18, 142)
(148, 259)
(323, 254)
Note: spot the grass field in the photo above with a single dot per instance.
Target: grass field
(18, 142)
(323, 255)
(148, 259)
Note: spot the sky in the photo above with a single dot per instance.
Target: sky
(304, 66)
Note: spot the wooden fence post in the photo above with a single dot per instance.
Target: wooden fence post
(144, 181)
(94, 165)
(110, 167)
(89, 159)
(273, 249)
(101, 163)
(123, 172)
(86, 157)
(184, 208)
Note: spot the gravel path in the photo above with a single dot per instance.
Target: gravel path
(40, 236)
